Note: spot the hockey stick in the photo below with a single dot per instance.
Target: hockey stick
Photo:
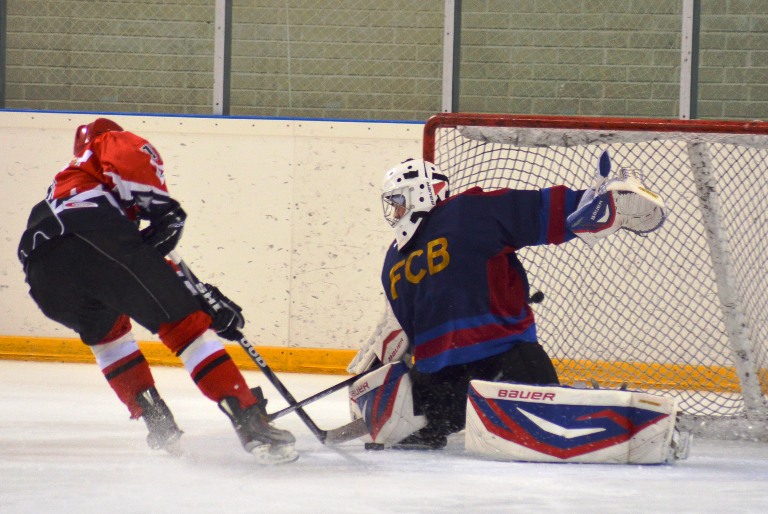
(345, 433)
(317, 396)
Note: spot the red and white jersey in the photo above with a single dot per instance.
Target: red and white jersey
(120, 167)
(115, 181)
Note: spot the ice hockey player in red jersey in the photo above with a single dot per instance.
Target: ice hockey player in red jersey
(461, 296)
(91, 267)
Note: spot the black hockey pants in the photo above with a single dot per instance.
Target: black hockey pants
(85, 281)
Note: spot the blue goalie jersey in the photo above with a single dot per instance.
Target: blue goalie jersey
(457, 288)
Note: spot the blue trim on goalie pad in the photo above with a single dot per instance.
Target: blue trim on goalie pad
(561, 430)
(377, 404)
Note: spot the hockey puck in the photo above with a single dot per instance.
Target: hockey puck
(374, 446)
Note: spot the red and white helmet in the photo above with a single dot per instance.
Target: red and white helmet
(85, 133)
(411, 189)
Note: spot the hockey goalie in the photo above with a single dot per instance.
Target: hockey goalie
(458, 298)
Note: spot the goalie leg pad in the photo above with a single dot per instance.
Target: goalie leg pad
(384, 400)
(560, 424)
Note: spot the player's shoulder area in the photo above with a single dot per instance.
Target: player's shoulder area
(125, 145)
(472, 204)
(476, 205)
(124, 137)
(477, 193)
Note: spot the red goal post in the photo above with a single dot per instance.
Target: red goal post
(683, 310)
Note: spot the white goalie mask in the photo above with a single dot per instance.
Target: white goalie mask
(411, 189)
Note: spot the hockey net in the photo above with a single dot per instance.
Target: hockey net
(683, 310)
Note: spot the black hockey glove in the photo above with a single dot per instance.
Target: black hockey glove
(227, 316)
(164, 232)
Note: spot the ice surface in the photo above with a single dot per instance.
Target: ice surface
(67, 446)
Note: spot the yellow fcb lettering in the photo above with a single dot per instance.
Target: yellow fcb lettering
(394, 276)
(438, 259)
(437, 252)
(413, 278)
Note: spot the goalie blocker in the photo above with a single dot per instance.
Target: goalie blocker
(560, 424)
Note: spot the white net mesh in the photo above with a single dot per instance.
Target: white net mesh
(655, 312)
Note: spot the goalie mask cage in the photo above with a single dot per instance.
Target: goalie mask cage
(681, 310)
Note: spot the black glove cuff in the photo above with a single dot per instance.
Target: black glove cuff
(165, 231)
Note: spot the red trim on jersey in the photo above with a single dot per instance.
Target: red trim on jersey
(505, 287)
(471, 336)
(556, 229)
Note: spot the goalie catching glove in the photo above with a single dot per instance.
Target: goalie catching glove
(616, 203)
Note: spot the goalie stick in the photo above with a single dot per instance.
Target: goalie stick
(322, 394)
(341, 434)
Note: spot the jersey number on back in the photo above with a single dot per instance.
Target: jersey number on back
(154, 161)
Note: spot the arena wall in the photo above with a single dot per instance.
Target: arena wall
(284, 217)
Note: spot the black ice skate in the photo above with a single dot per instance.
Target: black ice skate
(163, 432)
(268, 444)
(423, 439)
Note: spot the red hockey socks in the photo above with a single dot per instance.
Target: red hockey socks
(124, 366)
(206, 359)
